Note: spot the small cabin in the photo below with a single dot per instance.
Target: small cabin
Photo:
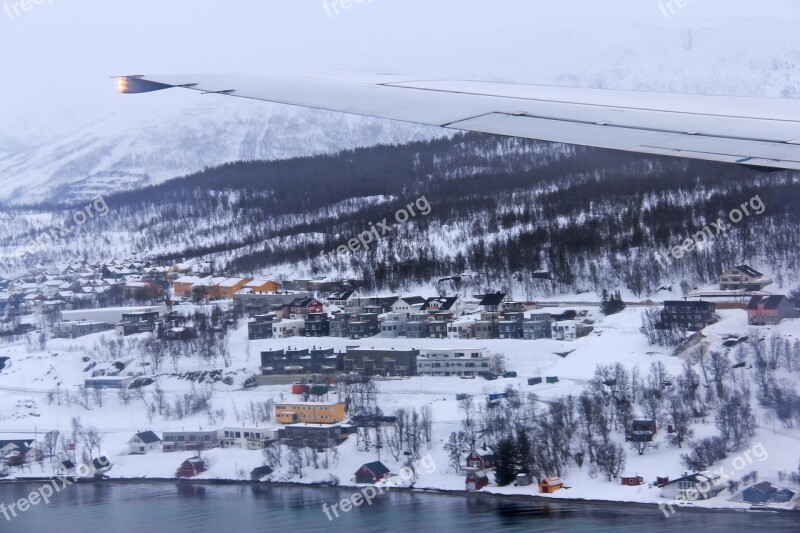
(523, 480)
(550, 484)
(191, 467)
(476, 480)
(371, 472)
(632, 481)
(259, 473)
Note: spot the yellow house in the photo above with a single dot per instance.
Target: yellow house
(309, 413)
(263, 286)
(229, 287)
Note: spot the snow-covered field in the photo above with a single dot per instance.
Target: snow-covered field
(29, 376)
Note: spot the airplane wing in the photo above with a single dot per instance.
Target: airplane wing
(758, 132)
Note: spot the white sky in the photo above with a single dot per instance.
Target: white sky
(56, 58)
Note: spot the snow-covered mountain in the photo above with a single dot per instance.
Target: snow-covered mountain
(136, 149)
(156, 137)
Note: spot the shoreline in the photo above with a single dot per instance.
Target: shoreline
(441, 492)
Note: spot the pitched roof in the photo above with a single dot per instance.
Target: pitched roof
(376, 467)
(764, 487)
(765, 302)
(148, 437)
(749, 271)
(445, 303)
(340, 295)
(493, 299)
(551, 481)
(413, 300)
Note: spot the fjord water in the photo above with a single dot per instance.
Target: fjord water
(177, 508)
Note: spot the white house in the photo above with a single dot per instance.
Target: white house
(287, 328)
(564, 330)
(409, 305)
(144, 442)
(698, 486)
(394, 325)
(468, 362)
(247, 438)
(342, 298)
(461, 329)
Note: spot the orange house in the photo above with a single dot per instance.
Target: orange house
(550, 484)
(182, 287)
(262, 286)
(229, 287)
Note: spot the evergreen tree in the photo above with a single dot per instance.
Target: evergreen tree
(504, 455)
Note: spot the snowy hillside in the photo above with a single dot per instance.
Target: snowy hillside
(164, 138)
(151, 138)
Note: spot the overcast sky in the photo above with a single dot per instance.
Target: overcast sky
(56, 58)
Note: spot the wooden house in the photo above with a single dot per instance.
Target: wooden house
(769, 310)
(143, 442)
(371, 472)
(191, 467)
(480, 459)
(476, 480)
(632, 481)
(550, 484)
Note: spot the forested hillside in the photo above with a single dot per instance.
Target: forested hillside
(502, 210)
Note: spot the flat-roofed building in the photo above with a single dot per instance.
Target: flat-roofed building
(182, 441)
(469, 362)
(371, 362)
(309, 413)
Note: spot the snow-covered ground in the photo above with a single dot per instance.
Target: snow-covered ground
(30, 375)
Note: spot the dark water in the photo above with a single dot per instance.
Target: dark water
(149, 508)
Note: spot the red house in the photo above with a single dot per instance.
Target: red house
(632, 481)
(371, 472)
(191, 467)
(301, 307)
(769, 310)
(476, 480)
(481, 459)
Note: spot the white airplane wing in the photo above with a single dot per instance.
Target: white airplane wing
(759, 132)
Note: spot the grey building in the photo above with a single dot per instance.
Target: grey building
(369, 362)
(485, 329)
(687, 315)
(338, 326)
(318, 325)
(260, 328)
(536, 327)
(417, 329)
(253, 303)
(365, 325)
(183, 441)
(305, 361)
(510, 326)
(316, 436)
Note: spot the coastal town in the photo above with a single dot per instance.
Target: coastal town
(324, 370)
